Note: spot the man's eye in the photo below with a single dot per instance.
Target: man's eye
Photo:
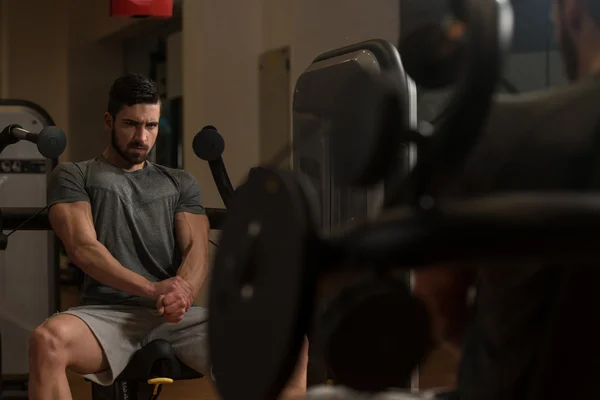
(152, 126)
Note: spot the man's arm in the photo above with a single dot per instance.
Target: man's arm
(72, 223)
(191, 230)
(445, 291)
(192, 237)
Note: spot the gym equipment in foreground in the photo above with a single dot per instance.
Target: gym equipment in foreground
(272, 256)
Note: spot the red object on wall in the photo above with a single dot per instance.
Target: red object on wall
(141, 8)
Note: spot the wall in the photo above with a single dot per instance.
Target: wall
(68, 71)
(174, 65)
(64, 56)
(220, 77)
(4, 48)
(320, 26)
(96, 58)
(277, 23)
(35, 61)
(220, 83)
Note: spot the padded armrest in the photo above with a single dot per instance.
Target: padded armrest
(156, 359)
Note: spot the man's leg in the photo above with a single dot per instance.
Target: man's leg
(296, 386)
(63, 341)
(94, 341)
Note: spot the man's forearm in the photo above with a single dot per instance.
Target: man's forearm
(194, 267)
(96, 261)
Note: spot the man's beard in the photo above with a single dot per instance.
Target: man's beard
(131, 157)
(569, 53)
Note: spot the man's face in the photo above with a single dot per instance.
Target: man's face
(565, 41)
(133, 131)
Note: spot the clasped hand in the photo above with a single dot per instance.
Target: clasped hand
(174, 297)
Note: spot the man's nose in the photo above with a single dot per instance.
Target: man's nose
(141, 133)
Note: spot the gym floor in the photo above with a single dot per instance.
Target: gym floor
(437, 372)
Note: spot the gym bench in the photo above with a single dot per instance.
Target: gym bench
(150, 367)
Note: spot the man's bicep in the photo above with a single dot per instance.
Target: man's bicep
(190, 197)
(191, 229)
(73, 224)
(67, 185)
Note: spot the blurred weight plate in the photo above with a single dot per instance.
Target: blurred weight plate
(261, 292)
(377, 333)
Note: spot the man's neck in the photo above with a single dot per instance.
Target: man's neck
(115, 159)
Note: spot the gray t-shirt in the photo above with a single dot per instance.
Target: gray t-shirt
(134, 214)
(535, 142)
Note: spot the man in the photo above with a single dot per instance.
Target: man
(140, 233)
(533, 142)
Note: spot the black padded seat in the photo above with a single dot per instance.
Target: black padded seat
(156, 359)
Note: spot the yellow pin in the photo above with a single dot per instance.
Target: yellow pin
(157, 382)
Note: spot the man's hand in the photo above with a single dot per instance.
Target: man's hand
(174, 297)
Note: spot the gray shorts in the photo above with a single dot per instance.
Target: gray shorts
(123, 330)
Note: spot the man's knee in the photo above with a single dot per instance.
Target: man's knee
(49, 341)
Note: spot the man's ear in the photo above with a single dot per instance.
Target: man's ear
(108, 122)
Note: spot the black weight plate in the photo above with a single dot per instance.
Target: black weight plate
(376, 335)
(261, 291)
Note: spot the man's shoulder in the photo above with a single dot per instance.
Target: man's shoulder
(77, 165)
(74, 167)
(166, 170)
(177, 174)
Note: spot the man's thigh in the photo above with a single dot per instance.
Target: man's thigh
(189, 339)
(119, 330)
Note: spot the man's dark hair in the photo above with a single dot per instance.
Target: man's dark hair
(131, 89)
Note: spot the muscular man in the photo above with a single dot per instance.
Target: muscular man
(140, 233)
(533, 142)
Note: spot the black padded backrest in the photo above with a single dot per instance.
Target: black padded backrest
(315, 106)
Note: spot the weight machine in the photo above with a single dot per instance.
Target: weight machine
(273, 256)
